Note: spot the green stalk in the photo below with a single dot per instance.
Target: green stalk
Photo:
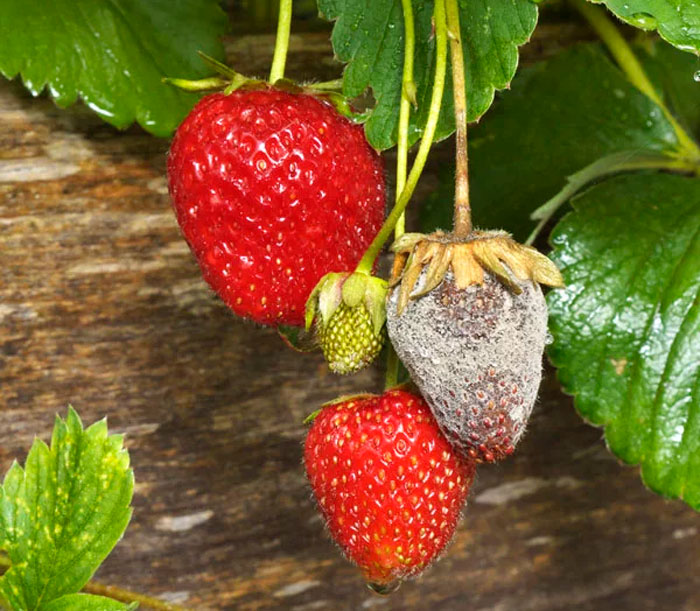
(408, 96)
(279, 59)
(375, 247)
(630, 65)
(124, 596)
(463, 213)
(616, 163)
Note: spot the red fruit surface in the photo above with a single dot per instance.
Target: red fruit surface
(387, 482)
(272, 190)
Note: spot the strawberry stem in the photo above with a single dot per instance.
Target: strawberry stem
(463, 213)
(630, 65)
(367, 261)
(408, 97)
(124, 596)
(279, 59)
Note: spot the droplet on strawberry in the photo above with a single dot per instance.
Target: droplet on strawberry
(388, 484)
(471, 333)
(272, 190)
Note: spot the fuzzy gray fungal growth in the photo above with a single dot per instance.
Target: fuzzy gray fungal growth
(476, 356)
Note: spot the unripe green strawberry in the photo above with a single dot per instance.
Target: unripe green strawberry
(349, 310)
(348, 340)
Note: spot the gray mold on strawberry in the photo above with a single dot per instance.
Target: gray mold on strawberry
(476, 355)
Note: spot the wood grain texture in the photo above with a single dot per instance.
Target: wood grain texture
(102, 306)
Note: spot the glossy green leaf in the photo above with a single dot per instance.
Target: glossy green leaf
(561, 115)
(627, 325)
(112, 54)
(87, 602)
(677, 21)
(63, 512)
(673, 74)
(370, 37)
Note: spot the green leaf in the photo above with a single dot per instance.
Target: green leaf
(298, 339)
(370, 37)
(673, 75)
(112, 54)
(627, 326)
(87, 602)
(63, 513)
(561, 115)
(677, 21)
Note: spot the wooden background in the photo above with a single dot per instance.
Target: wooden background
(102, 306)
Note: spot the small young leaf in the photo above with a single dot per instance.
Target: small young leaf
(560, 116)
(678, 22)
(627, 326)
(63, 513)
(112, 54)
(86, 602)
(370, 37)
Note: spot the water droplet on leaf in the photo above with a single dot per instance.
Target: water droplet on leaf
(644, 21)
(696, 77)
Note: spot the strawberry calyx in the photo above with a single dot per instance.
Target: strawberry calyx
(229, 80)
(468, 257)
(351, 289)
(349, 310)
(342, 399)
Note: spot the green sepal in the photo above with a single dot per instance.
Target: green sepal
(285, 84)
(342, 399)
(354, 289)
(206, 84)
(375, 302)
(218, 66)
(346, 398)
(312, 416)
(325, 298)
(231, 82)
(331, 296)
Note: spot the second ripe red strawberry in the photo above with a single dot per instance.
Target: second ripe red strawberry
(272, 190)
(388, 484)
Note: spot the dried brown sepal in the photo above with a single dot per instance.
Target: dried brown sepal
(495, 252)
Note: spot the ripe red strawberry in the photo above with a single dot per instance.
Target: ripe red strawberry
(272, 190)
(387, 482)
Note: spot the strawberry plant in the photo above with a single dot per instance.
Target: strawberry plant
(61, 515)
(279, 188)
